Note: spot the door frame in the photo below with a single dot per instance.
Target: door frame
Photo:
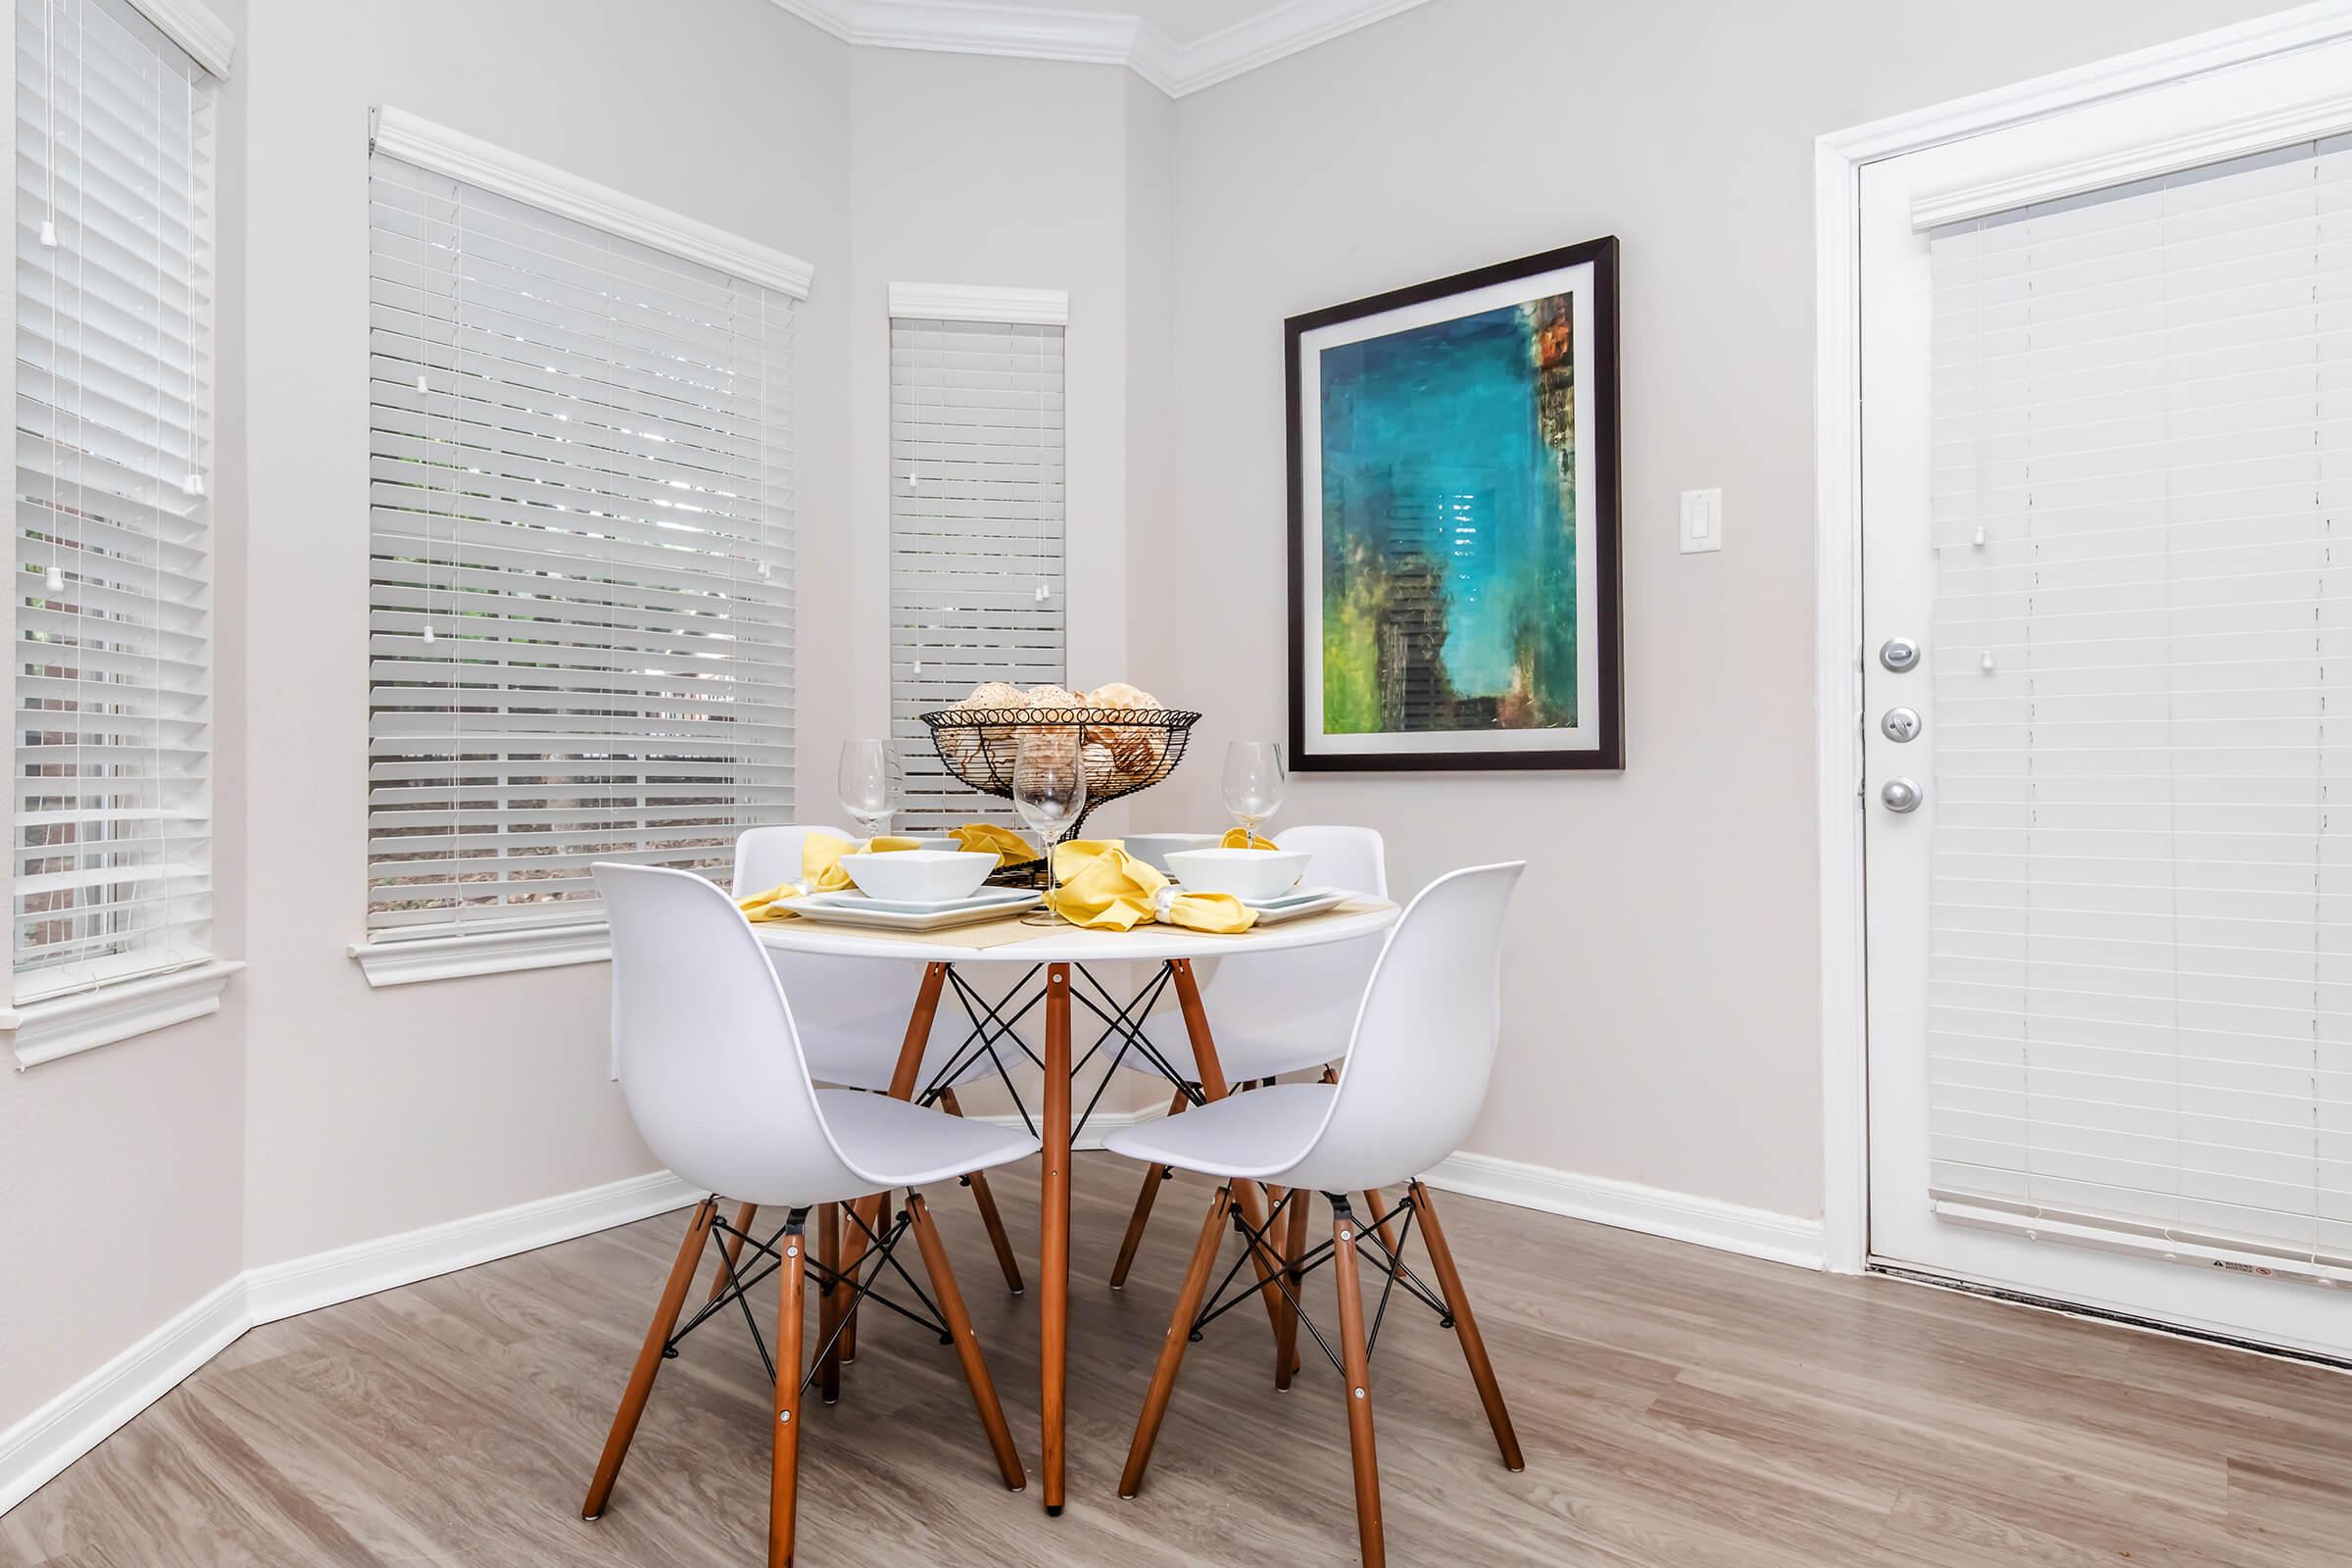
(1837, 653)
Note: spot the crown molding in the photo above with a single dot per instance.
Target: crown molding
(1040, 32)
(1271, 35)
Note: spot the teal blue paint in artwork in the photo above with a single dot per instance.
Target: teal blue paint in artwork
(1449, 525)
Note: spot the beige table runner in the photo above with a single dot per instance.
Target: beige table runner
(1006, 930)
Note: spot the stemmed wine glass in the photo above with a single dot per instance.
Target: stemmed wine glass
(1049, 789)
(872, 784)
(1253, 780)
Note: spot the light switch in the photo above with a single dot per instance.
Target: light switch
(1702, 520)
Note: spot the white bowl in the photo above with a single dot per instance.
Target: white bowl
(1244, 873)
(919, 876)
(1153, 849)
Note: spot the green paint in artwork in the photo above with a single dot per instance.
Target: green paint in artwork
(1449, 525)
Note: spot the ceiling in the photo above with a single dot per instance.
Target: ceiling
(1178, 46)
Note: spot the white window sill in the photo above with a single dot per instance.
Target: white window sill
(44, 1031)
(406, 962)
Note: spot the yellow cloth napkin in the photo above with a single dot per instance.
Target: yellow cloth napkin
(986, 838)
(1239, 839)
(1105, 887)
(821, 872)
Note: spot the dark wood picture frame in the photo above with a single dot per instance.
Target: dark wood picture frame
(1604, 640)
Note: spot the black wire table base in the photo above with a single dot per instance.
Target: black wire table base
(995, 1025)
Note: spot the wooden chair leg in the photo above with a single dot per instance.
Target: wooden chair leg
(1465, 1329)
(830, 1301)
(1247, 1197)
(649, 1358)
(875, 1212)
(745, 1214)
(1286, 1328)
(987, 1203)
(784, 1462)
(968, 1343)
(1150, 1191)
(1180, 1335)
(1357, 1388)
(904, 1078)
(1376, 1216)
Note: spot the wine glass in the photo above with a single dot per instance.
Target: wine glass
(872, 783)
(1252, 783)
(1049, 789)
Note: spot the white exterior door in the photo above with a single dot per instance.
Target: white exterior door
(2107, 499)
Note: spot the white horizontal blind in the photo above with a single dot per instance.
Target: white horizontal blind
(113, 612)
(580, 616)
(976, 522)
(2141, 982)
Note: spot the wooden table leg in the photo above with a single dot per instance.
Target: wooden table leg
(1249, 1197)
(904, 1078)
(1053, 1293)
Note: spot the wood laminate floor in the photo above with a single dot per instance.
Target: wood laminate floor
(1679, 1408)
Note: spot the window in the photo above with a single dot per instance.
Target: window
(976, 512)
(580, 617)
(113, 394)
(2140, 959)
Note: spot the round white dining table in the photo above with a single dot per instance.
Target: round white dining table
(1057, 949)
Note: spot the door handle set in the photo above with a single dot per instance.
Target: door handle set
(1901, 725)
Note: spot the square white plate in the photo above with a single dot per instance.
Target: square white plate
(1298, 902)
(856, 908)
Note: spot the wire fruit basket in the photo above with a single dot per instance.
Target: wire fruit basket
(1124, 750)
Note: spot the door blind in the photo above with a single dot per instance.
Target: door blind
(976, 525)
(2140, 973)
(580, 613)
(113, 813)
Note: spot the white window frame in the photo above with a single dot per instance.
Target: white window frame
(441, 150)
(82, 1020)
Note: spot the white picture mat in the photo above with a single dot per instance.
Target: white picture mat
(1576, 282)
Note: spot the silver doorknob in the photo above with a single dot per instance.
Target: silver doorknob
(1900, 795)
(1898, 653)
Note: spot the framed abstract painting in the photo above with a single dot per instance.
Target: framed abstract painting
(1453, 573)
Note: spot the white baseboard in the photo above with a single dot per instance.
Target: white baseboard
(78, 1420)
(1631, 1207)
(305, 1284)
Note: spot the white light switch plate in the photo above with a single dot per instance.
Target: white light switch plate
(1702, 520)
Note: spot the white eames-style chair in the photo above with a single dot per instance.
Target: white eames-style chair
(1276, 1014)
(717, 1081)
(854, 1017)
(1415, 1076)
